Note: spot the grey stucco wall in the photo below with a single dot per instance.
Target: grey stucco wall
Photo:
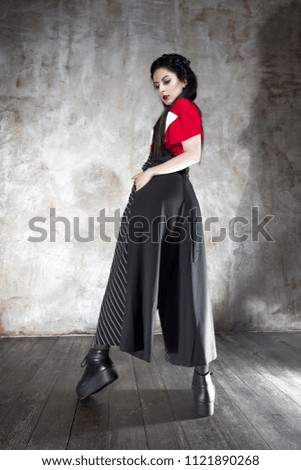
(77, 109)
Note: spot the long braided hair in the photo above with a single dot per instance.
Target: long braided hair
(179, 65)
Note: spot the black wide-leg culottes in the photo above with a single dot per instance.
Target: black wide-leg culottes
(160, 264)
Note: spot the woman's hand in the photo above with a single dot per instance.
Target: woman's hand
(142, 178)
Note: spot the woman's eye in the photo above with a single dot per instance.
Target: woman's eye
(167, 82)
(156, 86)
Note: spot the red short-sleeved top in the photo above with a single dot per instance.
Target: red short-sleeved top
(183, 121)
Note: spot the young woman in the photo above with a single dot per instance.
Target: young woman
(159, 261)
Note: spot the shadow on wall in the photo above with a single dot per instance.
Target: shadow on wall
(264, 290)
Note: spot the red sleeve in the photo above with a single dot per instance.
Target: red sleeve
(186, 125)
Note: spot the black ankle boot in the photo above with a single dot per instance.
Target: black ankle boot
(100, 372)
(204, 394)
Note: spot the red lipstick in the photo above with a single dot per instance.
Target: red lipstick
(165, 97)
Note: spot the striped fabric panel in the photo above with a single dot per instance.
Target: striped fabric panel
(110, 320)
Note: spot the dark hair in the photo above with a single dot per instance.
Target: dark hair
(179, 65)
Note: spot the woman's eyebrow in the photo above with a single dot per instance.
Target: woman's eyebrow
(163, 78)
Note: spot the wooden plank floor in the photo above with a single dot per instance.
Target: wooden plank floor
(150, 406)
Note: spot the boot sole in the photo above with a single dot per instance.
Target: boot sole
(100, 381)
(204, 409)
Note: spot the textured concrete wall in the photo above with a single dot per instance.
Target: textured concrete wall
(77, 109)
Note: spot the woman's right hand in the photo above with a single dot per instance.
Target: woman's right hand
(142, 178)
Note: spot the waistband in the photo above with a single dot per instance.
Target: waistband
(165, 156)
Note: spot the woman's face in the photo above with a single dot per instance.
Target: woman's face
(167, 85)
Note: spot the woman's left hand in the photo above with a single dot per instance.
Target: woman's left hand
(142, 178)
